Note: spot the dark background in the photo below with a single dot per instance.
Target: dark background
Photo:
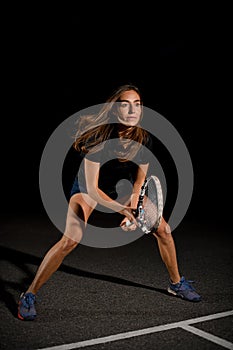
(55, 64)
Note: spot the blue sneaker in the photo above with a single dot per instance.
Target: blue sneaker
(26, 308)
(184, 290)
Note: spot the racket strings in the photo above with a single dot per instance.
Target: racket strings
(153, 203)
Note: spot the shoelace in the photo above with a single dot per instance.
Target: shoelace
(29, 300)
(188, 284)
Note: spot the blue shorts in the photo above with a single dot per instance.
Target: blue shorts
(76, 188)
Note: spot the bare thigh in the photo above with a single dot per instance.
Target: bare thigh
(79, 210)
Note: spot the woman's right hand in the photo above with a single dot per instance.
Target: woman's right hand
(128, 213)
(127, 225)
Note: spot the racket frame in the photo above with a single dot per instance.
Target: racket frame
(139, 213)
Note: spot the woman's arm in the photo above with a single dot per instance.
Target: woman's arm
(141, 175)
(92, 176)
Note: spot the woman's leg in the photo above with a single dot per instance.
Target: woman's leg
(79, 210)
(178, 285)
(167, 250)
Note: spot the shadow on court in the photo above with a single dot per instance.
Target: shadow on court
(20, 260)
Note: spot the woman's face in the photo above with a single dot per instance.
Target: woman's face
(129, 108)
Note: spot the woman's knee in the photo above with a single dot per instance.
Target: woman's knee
(163, 231)
(67, 244)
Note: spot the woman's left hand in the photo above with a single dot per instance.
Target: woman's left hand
(125, 227)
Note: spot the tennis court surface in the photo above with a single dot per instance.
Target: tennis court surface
(116, 298)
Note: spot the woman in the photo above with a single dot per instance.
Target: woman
(119, 120)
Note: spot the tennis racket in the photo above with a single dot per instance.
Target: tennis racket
(150, 205)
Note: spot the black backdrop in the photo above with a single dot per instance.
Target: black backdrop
(56, 65)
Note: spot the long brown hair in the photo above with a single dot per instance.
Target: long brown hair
(94, 129)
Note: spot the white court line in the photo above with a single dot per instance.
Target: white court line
(126, 335)
(226, 344)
